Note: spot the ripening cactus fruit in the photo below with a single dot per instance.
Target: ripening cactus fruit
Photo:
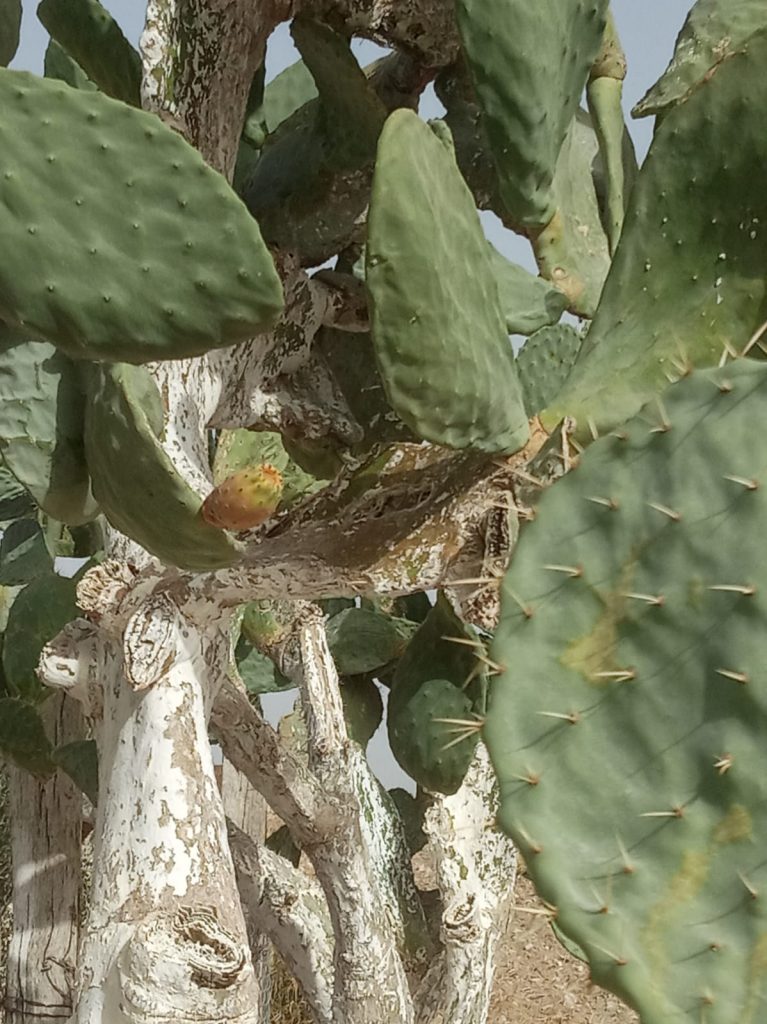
(244, 500)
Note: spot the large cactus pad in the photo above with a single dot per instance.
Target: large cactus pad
(688, 276)
(439, 334)
(117, 241)
(530, 62)
(628, 729)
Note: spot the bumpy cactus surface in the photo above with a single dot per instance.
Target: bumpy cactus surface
(713, 32)
(544, 364)
(627, 727)
(439, 334)
(688, 275)
(438, 687)
(129, 202)
(374, 423)
(528, 83)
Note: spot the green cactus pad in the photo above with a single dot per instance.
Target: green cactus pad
(544, 363)
(363, 708)
(362, 640)
(529, 82)
(527, 302)
(258, 672)
(436, 678)
(352, 113)
(92, 38)
(10, 26)
(23, 553)
(100, 204)
(15, 500)
(627, 729)
(296, 189)
(146, 499)
(573, 251)
(38, 612)
(80, 760)
(58, 64)
(41, 427)
(713, 32)
(439, 334)
(283, 96)
(23, 738)
(688, 276)
(411, 811)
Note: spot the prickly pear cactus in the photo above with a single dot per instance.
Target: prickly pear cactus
(687, 282)
(626, 728)
(713, 32)
(529, 80)
(10, 23)
(151, 503)
(544, 363)
(438, 331)
(436, 698)
(89, 34)
(42, 416)
(129, 203)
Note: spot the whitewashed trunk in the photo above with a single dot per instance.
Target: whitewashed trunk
(45, 831)
(165, 940)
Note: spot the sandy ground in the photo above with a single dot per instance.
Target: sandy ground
(538, 982)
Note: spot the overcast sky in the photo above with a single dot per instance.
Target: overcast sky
(648, 30)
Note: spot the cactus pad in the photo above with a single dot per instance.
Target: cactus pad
(23, 738)
(58, 64)
(529, 83)
(39, 611)
(10, 25)
(713, 31)
(688, 274)
(362, 640)
(92, 38)
(42, 413)
(244, 500)
(438, 330)
(436, 678)
(363, 708)
(544, 363)
(527, 302)
(572, 251)
(100, 204)
(628, 727)
(146, 499)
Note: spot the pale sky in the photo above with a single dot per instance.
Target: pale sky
(648, 30)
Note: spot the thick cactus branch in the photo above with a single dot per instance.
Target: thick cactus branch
(200, 57)
(289, 907)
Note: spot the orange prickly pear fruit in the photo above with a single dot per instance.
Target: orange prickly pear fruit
(245, 499)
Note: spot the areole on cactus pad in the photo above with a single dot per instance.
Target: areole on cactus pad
(628, 726)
